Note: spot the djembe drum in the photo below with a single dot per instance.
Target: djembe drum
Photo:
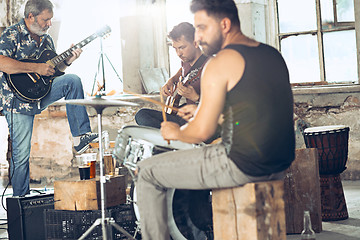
(332, 145)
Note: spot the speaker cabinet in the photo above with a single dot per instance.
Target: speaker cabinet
(25, 216)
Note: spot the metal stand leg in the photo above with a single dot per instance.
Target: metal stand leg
(105, 222)
(101, 65)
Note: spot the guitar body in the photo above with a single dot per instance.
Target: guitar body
(172, 101)
(31, 87)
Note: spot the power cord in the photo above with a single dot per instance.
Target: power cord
(11, 154)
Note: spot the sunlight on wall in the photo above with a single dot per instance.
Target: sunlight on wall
(80, 19)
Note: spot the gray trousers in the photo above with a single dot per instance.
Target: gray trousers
(199, 168)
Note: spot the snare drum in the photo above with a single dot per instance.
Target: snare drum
(332, 145)
(135, 143)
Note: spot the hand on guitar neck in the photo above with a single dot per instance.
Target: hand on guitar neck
(179, 90)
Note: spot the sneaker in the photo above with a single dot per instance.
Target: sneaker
(85, 140)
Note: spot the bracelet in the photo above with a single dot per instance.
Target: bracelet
(66, 64)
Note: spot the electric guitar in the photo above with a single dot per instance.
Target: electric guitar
(31, 87)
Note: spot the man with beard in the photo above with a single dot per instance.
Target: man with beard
(248, 82)
(192, 63)
(27, 40)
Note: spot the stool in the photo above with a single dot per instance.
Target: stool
(302, 191)
(254, 211)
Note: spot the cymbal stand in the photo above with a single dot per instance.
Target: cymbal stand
(101, 64)
(105, 222)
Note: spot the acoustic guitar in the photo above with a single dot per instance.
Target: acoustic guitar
(31, 87)
(174, 100)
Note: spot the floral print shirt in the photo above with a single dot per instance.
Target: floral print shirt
(16, 43)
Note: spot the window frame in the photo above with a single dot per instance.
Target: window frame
(340, 26)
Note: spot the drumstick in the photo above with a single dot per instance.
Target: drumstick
(163, 113)
(152, 100)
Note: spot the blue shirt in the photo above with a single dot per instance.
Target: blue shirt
(16, 43)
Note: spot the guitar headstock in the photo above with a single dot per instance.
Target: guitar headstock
(103, 31)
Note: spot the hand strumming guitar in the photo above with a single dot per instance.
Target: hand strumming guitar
(44, 69)
(167, 89)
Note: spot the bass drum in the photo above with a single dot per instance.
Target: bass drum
(189, 213)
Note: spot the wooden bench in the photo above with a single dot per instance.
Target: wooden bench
(254, 211)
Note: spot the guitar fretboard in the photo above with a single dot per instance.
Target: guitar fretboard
(68, 53)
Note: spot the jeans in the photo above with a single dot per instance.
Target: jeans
(153, 118)
(21, 127)
(200, 168)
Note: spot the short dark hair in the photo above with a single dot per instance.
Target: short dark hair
(37, 6)
(218, 9)
(183, 29)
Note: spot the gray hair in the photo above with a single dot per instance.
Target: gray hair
(37, 6)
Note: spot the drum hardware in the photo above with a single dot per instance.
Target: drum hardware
(136, 143)
(99, 104)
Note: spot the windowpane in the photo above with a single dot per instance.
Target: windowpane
(302, 58)
(345, 10)
(296, 16)
(327, 13)
(340, 56)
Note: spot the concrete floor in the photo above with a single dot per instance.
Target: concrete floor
(338, 230)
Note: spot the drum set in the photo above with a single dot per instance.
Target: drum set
(189, 211)
(332, 145)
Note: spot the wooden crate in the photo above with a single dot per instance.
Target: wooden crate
(254, 211)
(302, 191)
(85, 194)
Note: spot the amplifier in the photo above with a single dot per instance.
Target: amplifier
(25, 216)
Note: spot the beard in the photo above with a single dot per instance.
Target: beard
(213, 47)
(36, 28)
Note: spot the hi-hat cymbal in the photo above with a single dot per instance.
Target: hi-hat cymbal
(99, 102)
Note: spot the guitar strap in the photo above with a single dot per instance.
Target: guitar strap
(198, 72)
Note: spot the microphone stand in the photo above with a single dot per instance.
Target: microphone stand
(101, 65)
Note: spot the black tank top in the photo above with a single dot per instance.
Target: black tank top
(258, 131)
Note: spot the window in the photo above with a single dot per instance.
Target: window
(318, 41)
(173, 8)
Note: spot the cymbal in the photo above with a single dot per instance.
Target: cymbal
(99, 102)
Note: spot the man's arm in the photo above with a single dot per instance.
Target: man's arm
(12, 66)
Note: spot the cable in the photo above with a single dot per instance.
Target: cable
(11, 153)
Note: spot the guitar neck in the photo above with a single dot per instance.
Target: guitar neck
(68, 53)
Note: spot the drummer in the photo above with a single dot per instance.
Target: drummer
(258, 142)
(192, 63)
(28, 39)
